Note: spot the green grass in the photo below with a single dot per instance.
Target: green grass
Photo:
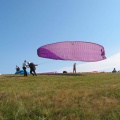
(60, 97)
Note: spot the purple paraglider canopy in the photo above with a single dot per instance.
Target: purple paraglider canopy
(73, 50)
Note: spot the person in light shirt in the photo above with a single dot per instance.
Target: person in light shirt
(24, 68)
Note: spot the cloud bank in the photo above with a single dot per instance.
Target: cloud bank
(106, 65)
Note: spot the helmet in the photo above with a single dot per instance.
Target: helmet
(28, 63)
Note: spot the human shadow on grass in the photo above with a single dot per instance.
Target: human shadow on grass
(13, 76)
(63, 74)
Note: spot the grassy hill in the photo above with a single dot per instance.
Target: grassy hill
(60, 97)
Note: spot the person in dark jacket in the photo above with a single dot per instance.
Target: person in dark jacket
(114, 70)
(17, 68)
(32, 68)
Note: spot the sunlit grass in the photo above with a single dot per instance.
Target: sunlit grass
(60, 97)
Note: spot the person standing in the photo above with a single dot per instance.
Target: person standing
(74, 68)
(114, 70)
(24, 68)
(32, 68)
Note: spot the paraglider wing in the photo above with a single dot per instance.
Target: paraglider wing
(73, 50)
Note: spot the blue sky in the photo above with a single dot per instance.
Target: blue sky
(25, 25)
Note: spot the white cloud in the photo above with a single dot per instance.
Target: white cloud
(104, 65)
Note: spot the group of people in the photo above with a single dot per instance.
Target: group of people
(26, 65)
(31, 66)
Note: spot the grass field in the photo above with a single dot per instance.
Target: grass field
(60, 97)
